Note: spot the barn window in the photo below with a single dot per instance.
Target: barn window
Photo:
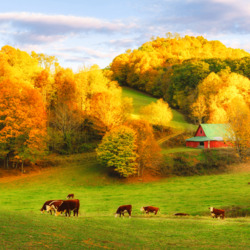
(202, 143)
(201, 131)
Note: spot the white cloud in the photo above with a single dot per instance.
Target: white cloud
(38, 22)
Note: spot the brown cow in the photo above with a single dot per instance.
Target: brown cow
(70, 196)
(150, 209)
(181, 214)
(46, 203)
(67, 206)
(122, 209)
(217, 212)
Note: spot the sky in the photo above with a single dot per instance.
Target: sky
(80, 33)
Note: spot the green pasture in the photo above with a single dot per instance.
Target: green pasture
(22, 226)
(180, 150)
(141, 99)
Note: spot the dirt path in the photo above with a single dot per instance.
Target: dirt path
(166, 138)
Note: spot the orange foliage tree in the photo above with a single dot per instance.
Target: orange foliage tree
(23, 121)
(22, 113)
(148, 151)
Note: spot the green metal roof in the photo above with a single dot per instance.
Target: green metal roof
(213, 132)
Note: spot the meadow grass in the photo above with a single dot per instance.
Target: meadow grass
(141, 99)
(22, 226)
(180, 149)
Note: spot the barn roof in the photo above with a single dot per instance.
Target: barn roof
(199, 138)
(213, 132)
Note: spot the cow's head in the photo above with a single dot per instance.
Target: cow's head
(48, 208)
(142, 209)
(211, 209)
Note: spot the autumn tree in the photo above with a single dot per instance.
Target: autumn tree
(65, 129)
(199, 109)
(20, 64)
(239, 127)
(149, 157)
(118, 151)
(23, 120)
(65, 116)
(220, 90)
(157, 113)
(109, 109)
(65, 85)
(45, 61)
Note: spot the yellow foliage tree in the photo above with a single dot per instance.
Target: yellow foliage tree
(157, 113)
(109, 109)
(199, 108)
(239, 127)
(219, 90)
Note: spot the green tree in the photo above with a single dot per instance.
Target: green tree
(117, 151)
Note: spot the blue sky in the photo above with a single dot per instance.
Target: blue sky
(86, 32)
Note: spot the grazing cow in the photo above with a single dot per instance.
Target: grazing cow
(46, 203)
(122, 209)
(70, 196)
(217, 212)
(67, 206)
(150, 209)
(181, 214)
(53, 205)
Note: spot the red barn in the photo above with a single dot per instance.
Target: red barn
(209, 136)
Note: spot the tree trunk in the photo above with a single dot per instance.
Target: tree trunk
(7, 161)
(22, 167)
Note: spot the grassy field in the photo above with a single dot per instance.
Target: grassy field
(140, 99)
(22, 226)
(180, 149)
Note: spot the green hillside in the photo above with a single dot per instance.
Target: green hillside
(141, 99)
(22, 226)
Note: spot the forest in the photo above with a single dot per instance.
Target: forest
(45, 108)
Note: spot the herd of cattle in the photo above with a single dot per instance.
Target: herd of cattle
(71, 204)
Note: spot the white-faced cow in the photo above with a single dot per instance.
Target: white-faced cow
(46, 203)
(150, 209)
(217, 213)
(70, 196)
(122, 209)
(53, 205)
(67, 206)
